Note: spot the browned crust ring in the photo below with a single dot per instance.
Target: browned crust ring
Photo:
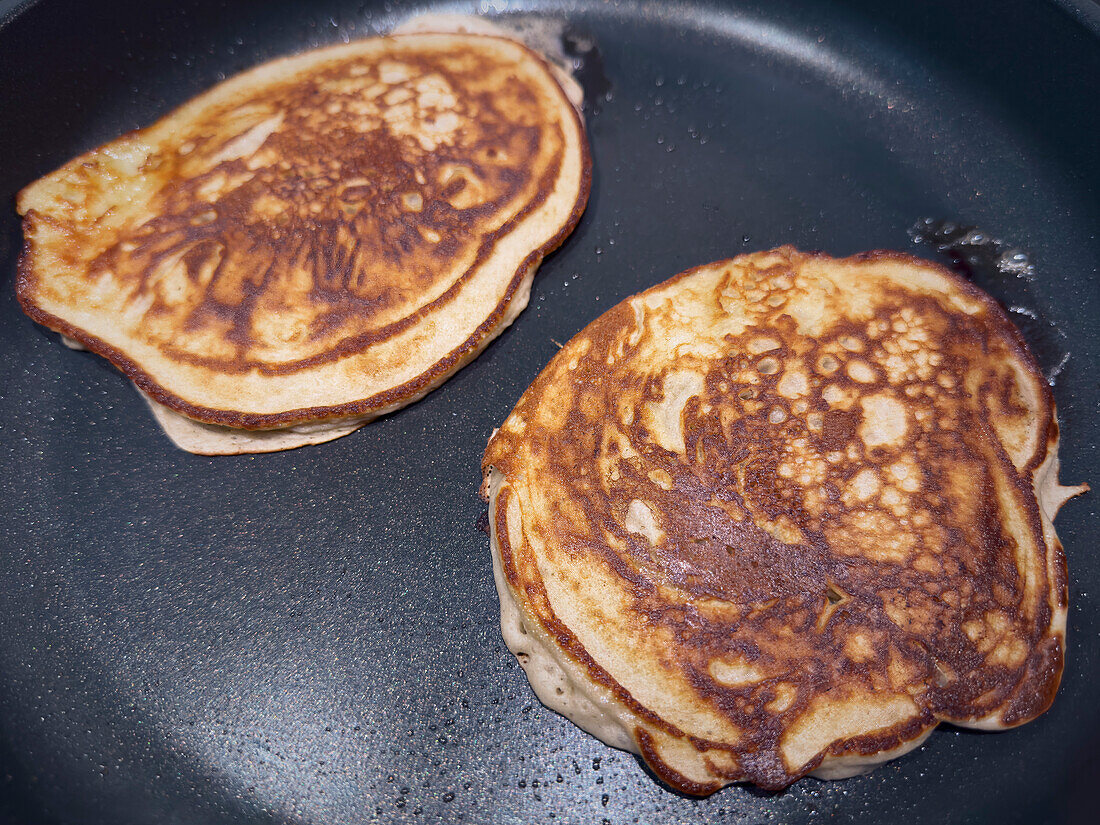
(556, 628)
(667, 774)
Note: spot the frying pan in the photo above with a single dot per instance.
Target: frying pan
(312, 636)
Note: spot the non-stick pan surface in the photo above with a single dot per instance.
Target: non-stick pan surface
(312, 636)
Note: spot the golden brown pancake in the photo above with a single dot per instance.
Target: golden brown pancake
(782, 515)
(317, 241)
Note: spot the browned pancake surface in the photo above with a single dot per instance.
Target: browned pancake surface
(317, 208)
(783, 508)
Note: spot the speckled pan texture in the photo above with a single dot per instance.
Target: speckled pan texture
(314, 636)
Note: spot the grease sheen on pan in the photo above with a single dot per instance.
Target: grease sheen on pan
(321, 239)
(783, 514)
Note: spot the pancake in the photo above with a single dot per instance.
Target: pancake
(315, 242)
(782, 515)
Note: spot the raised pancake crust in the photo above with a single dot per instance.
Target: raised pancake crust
(783, 514)
(326, 236)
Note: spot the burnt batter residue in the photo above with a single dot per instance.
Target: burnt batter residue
(1008, 273)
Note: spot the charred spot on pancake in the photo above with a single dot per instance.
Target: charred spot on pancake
(783, 511)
